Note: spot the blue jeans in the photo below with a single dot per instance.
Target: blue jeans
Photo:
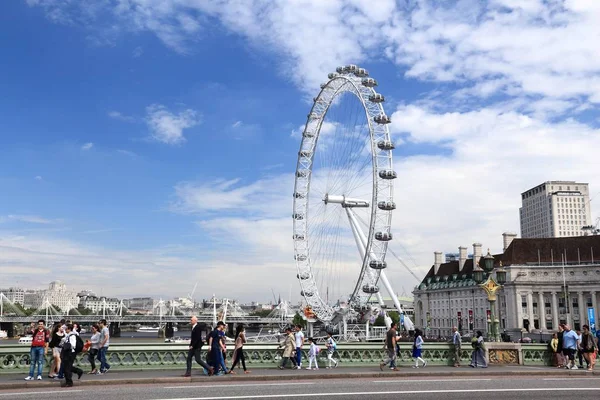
(102, 358)
(299, 356)
(218, 361)
(37, 357)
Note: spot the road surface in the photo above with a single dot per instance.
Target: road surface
(433, 388)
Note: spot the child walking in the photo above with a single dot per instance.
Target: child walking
(331, 346)
(313, 351)
(417, 348)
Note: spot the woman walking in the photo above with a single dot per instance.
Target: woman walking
(94, 349)
(554, 348)
(478, 355)
(238, 351)
(289, 343)
(417, 349)
(588, 347)
(55, 345)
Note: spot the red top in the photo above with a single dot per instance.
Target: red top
(40, 338)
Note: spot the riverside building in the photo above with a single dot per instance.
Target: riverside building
(549, 281)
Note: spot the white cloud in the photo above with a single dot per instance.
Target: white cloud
(87, 146)
(236, 124)
(167, 127)
(121, 117)
(38, 178)
(33, 219)
(137, 52)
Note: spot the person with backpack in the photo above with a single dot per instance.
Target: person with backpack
(39, 348)
(73, 345)
(331, 348)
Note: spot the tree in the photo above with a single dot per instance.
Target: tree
(298, 320)
(84, 311)
(380, 321)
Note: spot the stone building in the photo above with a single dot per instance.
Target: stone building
(549, 281)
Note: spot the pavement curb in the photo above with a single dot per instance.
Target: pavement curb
(299, 377)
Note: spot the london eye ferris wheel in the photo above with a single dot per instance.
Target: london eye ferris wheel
(343, 197)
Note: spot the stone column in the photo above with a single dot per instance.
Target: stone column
(582, 309)
(554, 311)
(519, 310)
(541, 311)
(530, 309)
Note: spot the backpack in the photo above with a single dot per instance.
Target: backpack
(317, 350)
(78, 344)
(333, 344)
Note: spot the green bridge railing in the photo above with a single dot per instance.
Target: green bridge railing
(15, 358)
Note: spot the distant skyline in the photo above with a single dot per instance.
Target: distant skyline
(147, 145)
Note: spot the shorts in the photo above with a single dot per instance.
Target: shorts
(56, 351)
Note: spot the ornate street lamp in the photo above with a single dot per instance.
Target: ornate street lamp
(490, 286)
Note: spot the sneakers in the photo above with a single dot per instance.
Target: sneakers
(29, 378)
(573, 367)
(39, 378)
(424, 364)
(298, 367)
(336, 364)
(414, 366)
(309, 368)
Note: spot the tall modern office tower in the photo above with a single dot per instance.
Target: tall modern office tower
(555, 209)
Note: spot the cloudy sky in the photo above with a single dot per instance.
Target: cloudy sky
(149, 144)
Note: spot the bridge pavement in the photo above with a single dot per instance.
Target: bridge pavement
(16, 381)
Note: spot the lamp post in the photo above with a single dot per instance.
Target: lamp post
(485, 280)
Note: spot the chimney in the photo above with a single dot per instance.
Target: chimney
(507, 238)
(438, 261)
(462, 257)
(476, 253)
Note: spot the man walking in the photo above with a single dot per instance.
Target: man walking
(104, 343)
(68, 356)
(217, 348)
(39, 348)
(456, 341)
(299, 343)
(390, 347)
(570, 344)
(195, 348)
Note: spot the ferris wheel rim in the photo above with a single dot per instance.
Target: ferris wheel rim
(381, 161)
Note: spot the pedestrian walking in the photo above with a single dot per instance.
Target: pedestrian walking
(418, 348)
(570, 344)
(288, 347)
(69, 353)
(554, 349)
(103, 349)
(313, 352)
(478, 354)
(299, 336)
(39, 349)
(216, 349)
(560, 353)
(589, 348)
(390, 348)
(54, 344)
(331, 348)
(94, 348)
(195, 349)
(457, 342)
(238, 352)
(579, 349)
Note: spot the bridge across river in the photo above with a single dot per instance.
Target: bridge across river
(145, 319)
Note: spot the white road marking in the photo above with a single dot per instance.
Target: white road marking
(570, 379)
(339, 394)
(60, 392)
(426, 380)
(238, 385)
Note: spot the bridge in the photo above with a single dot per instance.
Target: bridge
(143, 319)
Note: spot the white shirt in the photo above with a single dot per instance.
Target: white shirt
(193, 326)
(299, 337)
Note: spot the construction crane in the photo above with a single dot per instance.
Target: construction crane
(592, 229)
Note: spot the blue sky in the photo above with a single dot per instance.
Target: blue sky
(144, 139)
